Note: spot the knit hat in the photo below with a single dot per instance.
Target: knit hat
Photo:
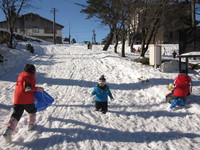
(102, 79)
(29, 68)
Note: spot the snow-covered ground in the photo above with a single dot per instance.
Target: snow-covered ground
(137, 119)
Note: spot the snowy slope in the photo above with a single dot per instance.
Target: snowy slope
(137, 119)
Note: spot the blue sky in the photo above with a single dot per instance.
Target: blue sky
(68, 14)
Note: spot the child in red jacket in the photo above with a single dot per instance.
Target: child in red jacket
(23, 100)
(181, 90)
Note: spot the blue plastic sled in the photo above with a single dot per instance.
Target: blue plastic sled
(42, 100)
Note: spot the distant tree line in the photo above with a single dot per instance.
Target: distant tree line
(144, 19)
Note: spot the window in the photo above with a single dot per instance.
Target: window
(48, 30)
(35, 30)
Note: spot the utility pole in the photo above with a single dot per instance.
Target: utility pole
(193, 12)
(54, 25)
(69, 34)
(194, 21)
(94, 37)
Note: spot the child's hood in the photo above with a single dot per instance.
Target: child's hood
(26, 74)
(183, 79)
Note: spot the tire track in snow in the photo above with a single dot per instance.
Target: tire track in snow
(69, 94)
(78, 72)
(61, 111)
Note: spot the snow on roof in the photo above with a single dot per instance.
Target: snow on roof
(191, 54)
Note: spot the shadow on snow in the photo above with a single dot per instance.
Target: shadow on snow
(7, 107)
(94, 132)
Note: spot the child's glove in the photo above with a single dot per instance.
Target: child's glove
(170, 86)
(40, 89)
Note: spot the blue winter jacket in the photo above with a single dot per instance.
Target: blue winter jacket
(102, 93)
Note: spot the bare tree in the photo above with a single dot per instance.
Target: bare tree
(152, 16)
(126, 12)
(151, 19)
(134, 30)
(160, 15)
(12, 9)
(105, 11)
(185, 23)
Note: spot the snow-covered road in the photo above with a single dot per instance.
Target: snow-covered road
(138, 118)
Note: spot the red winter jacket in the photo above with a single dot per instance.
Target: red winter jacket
(182, 85)
(21, 96)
